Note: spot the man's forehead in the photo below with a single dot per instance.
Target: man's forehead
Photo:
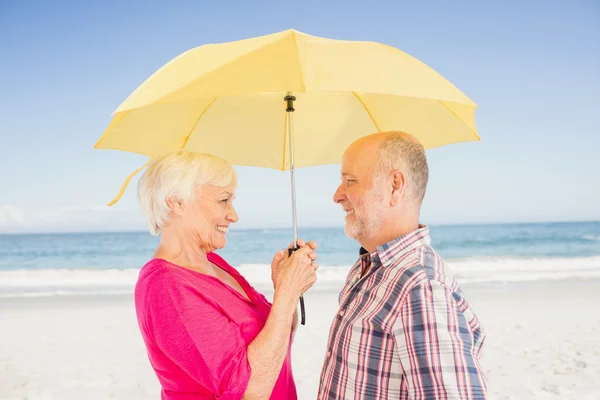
(356, 166)
(357, 158)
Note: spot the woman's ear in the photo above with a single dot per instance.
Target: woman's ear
(175, 205)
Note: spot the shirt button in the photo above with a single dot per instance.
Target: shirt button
(342, 313)
(329, 354)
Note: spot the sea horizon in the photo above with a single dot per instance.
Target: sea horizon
(234, 227)
(109, 262)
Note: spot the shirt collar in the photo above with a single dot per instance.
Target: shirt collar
(404, 244)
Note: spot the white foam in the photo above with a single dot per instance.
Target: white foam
(48, 282)
(62, 292)
(592, 238)
(502, 269)
(68, 277)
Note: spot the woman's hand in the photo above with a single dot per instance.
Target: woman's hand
(296, 274)
(282, 255)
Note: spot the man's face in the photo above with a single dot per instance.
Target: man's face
(361, 193)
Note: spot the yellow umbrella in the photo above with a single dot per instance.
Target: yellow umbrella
(228, 100)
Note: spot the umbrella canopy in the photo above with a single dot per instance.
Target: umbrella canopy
(227, 99)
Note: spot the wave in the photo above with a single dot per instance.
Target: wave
(68, 277)
(63, 292)
(503, 269)
(594, 238)
(56, 282)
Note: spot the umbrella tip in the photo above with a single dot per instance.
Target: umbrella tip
(296, 31)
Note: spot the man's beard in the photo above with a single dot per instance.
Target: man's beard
(365, 225)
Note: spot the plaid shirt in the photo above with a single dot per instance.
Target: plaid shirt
(404, 329)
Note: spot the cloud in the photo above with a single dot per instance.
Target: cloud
(69, 219)
(10, 216)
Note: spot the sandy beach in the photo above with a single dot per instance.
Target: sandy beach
(543, 343)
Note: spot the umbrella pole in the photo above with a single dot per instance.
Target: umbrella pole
(290, 129)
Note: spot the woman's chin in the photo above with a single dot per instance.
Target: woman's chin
(219, 242)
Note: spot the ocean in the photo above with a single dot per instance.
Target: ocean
(95, 263)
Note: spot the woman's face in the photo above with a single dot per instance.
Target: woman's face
(208, 216)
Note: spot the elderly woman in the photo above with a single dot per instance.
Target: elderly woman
(208, 333)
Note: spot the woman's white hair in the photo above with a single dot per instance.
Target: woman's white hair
(177, 174)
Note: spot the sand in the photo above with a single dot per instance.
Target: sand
(543, 343)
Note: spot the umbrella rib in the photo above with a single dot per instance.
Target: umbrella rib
(367, 110)
(302, 79)
(197, 122)
(460, 119)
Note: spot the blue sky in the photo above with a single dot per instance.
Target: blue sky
(532, 67)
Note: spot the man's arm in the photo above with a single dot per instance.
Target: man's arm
(436, 346)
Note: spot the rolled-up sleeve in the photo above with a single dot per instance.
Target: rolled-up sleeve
(437, 346)
(191, 330)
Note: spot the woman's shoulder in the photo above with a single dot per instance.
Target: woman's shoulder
(153, 266)
(160, 279)
(159, 271)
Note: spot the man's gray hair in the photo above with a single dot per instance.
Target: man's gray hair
(402, 152)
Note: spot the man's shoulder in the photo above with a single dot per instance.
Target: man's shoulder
(435, 267)
(421, 266)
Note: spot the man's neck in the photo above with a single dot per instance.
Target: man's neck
(387, 235)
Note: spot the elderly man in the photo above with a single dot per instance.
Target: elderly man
(404, 329)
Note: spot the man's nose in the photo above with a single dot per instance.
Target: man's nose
(339, 195)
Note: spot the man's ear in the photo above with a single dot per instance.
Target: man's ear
(398, 187)
(175, 204)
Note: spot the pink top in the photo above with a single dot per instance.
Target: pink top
(197, 329)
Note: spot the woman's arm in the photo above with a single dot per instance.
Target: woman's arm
(294, 323)
(268, 350)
